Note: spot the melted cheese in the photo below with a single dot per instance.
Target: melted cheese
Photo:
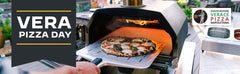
(110, 46)
(141, 48)
(119, 40)
(114, 42)
(127, 51)
(126, 43)
(135, 44)
(125, 46)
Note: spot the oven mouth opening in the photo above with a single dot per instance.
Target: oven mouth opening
(132, 26)
(157, 35)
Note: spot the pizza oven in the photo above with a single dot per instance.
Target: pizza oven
(167, 24)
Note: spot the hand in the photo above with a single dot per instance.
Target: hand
(81, 68)
(87, 68)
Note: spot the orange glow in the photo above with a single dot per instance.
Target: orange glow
(157, 35)
(159, 45)
(139, 22)
(135, 3)
(142, 22)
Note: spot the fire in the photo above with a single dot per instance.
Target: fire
(142, 22)
(139, 22)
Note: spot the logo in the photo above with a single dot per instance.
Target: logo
(211, 16)
(200, 16)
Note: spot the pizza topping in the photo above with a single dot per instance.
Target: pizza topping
(126, 40)
(135, 53)
(117, 47)
(145, 40)
(109, 39)
(141, 48)
(141, 52)
(110, 46)
(149, 41)
(137, 42)
(126, 43)
(127, 51)
(134, 48)
(125, 47)
(145, 44)
(114, 43)
(120, 40)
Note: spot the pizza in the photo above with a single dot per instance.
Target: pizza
(127, 47)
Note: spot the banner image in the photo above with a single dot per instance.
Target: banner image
(119, 37)
(43, 31)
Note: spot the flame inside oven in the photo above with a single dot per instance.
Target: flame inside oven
(139, 22)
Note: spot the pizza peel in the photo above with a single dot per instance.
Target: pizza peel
(94, 54)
